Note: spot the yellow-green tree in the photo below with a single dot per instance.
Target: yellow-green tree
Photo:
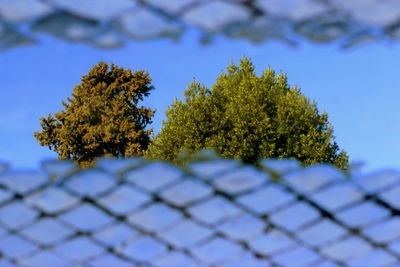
(248, 117)
(103, 117)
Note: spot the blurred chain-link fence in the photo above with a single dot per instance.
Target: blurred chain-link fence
(212, 213)
(109, 24)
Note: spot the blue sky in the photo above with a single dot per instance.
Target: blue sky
(359, 89)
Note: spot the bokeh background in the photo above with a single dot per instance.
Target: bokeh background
(343, 55)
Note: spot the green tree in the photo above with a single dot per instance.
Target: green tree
(102, 118)
(248, 117)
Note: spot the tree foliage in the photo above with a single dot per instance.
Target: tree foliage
(102, 118)
(248, 117)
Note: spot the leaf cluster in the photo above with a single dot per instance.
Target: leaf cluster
(101, 118)
(248, 117)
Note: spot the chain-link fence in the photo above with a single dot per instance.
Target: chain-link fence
(212, 213)
(109, 24)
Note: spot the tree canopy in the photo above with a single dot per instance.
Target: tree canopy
(248, 117)
(102, 118)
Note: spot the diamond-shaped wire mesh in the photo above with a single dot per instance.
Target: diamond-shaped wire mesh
(137, 213)
(109, 24)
